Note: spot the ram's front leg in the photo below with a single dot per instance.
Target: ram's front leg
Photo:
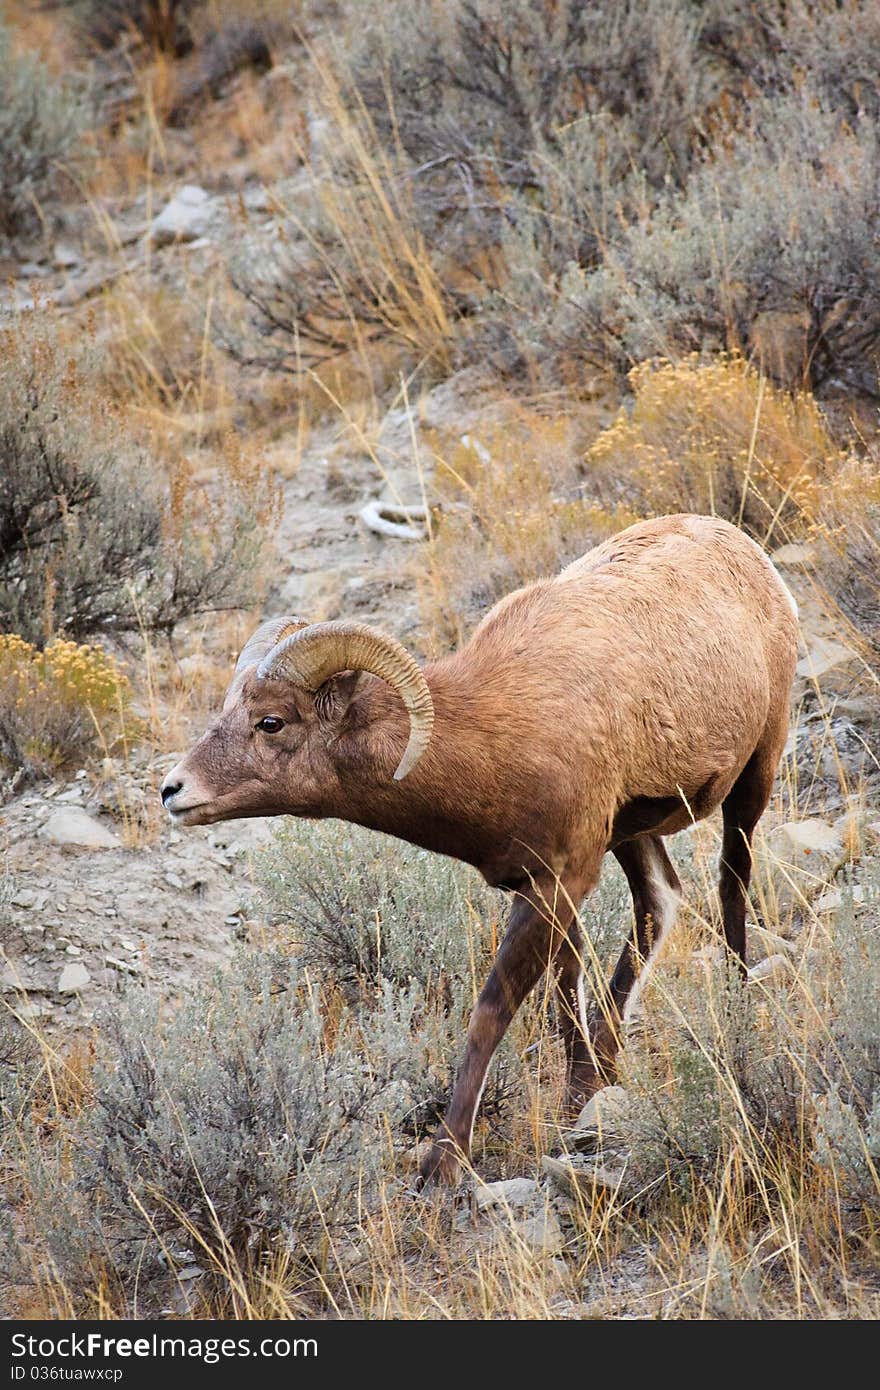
(537, 925)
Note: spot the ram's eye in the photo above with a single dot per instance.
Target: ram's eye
(271, 725)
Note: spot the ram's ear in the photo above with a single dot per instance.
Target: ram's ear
(335, 695)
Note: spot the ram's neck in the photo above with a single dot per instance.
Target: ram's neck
(447, 801)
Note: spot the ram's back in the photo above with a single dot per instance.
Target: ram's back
(653, 662)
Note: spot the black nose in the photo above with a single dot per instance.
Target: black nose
(170, 790)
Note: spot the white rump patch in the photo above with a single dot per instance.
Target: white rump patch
(667, 900)
(790, 598)
(582, 1005)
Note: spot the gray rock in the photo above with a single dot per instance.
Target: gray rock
(73, 794)
(798, 858)
(812, 836)
(10, 979)
(128, 967)
(33, 1010)
(769, 941)
(583, 1179)
(822, 656)
(794, 556)
(541, 1233)
(64, 257)
(605, 1112)
(186, 218)
(833, 899)
(258, 199)
(73, 978)
(771, 970)
(513, 1192)
(75, 827)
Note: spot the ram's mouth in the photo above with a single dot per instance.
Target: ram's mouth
(190, 815)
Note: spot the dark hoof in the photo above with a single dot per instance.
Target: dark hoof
(583, 1088)
(441, 1166)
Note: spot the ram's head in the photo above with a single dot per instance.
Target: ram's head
(289, 728)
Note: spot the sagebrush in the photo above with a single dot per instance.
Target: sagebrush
(225, 1130)
(41, 120)
(93, 538)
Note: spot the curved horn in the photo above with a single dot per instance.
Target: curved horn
(259, 644)
(311, 657)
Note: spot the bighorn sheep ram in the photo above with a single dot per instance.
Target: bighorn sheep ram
(603, 709)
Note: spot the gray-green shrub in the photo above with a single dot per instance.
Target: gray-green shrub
(847, 1133)
(212, 1133)
(92, 538)
(41, 119)
(782, 221)
(724, 1079)
(363, 908)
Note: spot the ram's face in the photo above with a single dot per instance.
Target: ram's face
(271, 752)
(264, 756)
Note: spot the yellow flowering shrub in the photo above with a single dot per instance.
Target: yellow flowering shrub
(57, 704)
(716, 437)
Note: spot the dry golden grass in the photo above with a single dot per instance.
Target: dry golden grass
(512, 507)
(381, 276)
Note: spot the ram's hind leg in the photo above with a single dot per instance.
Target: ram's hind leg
(572, 1013)
(656, 892)
(741, 811)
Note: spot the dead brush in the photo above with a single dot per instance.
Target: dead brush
(163, 360)
(127, 539)
(352, 265)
